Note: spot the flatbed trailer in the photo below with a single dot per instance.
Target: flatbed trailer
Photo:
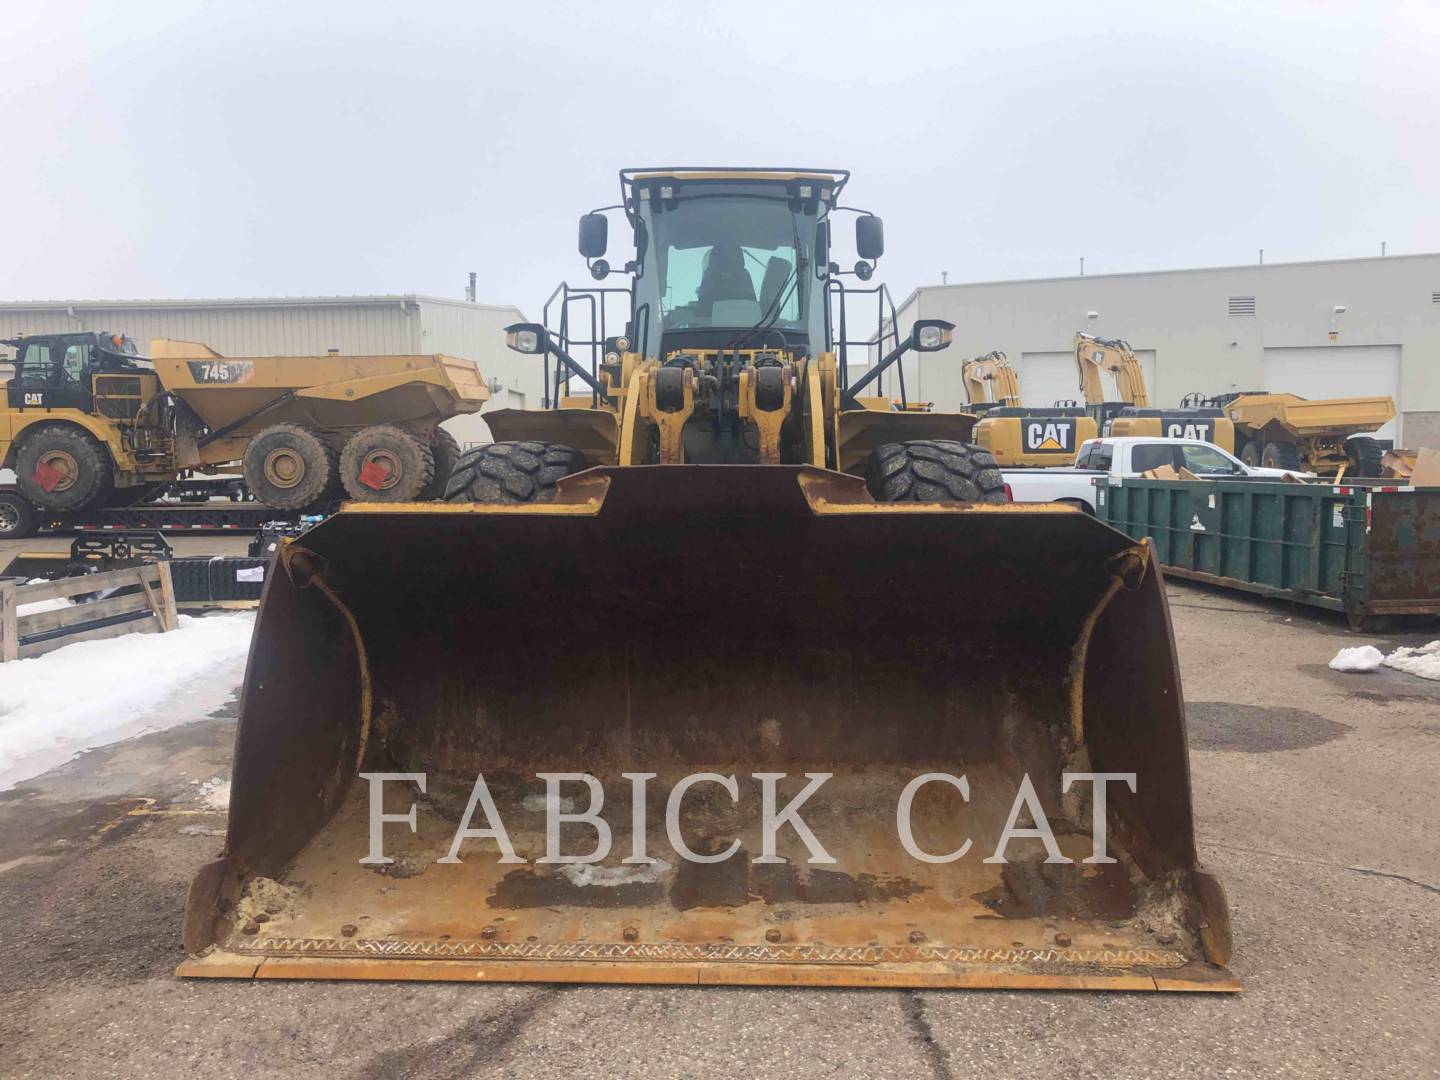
(217, 515)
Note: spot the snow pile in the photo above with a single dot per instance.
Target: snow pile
(97, 692)
(1423, 661)
(1360, 658)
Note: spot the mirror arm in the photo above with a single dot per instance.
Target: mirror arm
(574, 368)
(847, 399)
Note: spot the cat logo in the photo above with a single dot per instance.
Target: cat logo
(1203, 430)
(1050, 436)
(34, 398)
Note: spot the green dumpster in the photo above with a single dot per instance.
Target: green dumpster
(1371, 551)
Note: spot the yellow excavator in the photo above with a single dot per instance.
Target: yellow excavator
(1020, 436)
(717, 669)
(1101, 362)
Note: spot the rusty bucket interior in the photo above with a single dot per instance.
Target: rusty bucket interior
(726, 622)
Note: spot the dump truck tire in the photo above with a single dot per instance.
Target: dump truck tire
(447, 455)
(511, 472)
(289, 467)
(1280, 455)
(385, 463)
(17, 516)
(82, 465)
(1365, 456)
(1249, 453)
(934, 470)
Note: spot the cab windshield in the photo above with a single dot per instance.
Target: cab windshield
(728, 261)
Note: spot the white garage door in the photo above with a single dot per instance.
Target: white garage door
(1048, 377)
(1337, 371)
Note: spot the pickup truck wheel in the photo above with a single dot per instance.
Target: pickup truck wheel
(62, 468)
(1366, 456)
(289, 467)
(511, 472)
(17, 516)
(934, 470)
(1280, 455)
(385, 463)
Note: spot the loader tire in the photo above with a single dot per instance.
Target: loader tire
(511, 472)
(447, 453)
(934, 470)
(1280, 455)
(385, 463)
(17, 517)
(1366, 456)
(63, 468)
(289, 467)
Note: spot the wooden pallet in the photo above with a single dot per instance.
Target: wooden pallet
(143, 602)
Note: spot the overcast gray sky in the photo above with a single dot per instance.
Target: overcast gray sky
(250, 149)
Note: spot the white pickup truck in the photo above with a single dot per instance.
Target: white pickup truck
(1127, 457)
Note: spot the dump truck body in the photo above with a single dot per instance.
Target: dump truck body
(724, 577)
(337, 395)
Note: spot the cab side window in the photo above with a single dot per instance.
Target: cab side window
(35, 365)
(1147, 456)
(1206, 459)
(76, 360)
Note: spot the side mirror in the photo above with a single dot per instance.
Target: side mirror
(931, 335)
(527, 337)
(869, 237)
(594, 235)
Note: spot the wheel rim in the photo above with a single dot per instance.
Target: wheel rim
(9, 518)
(63, 463)
(377, 462)
(284, 468)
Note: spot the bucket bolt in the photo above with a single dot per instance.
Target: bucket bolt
(917, 937)
(488, 932)
(630, 934)
(772, 935)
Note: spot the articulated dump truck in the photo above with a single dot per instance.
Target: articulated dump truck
(716, 670)
(89, 422)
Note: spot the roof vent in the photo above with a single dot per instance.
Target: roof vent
(1242, 305)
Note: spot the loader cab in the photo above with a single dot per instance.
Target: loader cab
(730, 259)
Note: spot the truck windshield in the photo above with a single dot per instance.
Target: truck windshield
(728, 261)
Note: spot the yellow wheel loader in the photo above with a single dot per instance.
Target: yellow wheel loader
(717, 669)
(1017, 435)
(88, 421)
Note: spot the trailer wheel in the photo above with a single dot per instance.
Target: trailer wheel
(1280, 455)
(1249, 453)
(288, 466)
(511, 472)
(934, 470)
(1366, 456)
(17, 517)
(447, 454)
(385, 463)
(62, 468)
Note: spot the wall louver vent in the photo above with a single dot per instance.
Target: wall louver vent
(1242, 305)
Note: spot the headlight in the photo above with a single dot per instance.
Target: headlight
(931, 337)
(526, 338)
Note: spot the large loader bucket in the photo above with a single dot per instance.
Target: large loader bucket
(721, 622)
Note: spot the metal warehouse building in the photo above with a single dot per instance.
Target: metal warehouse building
(1347, 327)
(309, 326)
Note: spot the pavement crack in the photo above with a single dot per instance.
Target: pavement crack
(1367, 870)
(1397, 877)
(913, 1005)
(483, 1038)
